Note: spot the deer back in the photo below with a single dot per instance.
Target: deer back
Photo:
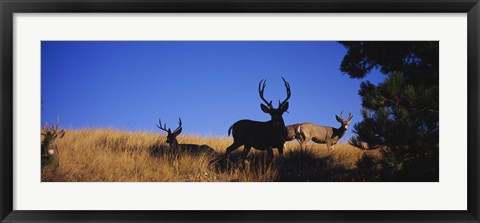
(196, 149)
(316, 132)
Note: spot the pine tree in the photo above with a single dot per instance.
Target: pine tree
(401, 114)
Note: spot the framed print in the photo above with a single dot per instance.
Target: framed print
(167, 111)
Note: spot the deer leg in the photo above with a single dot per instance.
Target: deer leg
(280, 151)
(299, 143)
(231, 148)
(245, 152)
(270, 154)
(305, 140)
(303, 144)
(300, 139)
(329, 145)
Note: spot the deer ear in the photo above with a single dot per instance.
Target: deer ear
(178, 131)
(285, 106)
(338, 119)
(264, 108)
(60, 134)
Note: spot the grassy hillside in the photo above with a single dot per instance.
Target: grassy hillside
(118, 156)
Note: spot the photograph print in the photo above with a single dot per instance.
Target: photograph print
(239, 111)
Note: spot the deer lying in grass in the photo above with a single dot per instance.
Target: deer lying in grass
(322, 134)
(175, 146)
(261, 135)
(49, 151)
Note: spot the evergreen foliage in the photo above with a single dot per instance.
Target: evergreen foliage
(401, 114)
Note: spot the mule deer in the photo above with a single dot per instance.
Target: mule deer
(174, 145)
(261, 135)
(322, 134)
(49, 150)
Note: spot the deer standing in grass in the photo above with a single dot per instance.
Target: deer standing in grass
(261, 135)
(49, 151)
(322, 134)
(173, 143)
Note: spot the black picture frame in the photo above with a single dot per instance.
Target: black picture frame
(9, 7)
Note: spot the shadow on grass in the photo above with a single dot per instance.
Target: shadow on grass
(158, 150)
(306, 166)
(295, 166)
(164, 150)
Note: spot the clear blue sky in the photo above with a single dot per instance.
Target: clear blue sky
(128, 85)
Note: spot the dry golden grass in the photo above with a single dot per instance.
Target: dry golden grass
(118, 156)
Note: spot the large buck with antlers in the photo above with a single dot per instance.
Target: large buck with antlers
(322, 134)
(261, 135)
(175, 146)
(49, 151)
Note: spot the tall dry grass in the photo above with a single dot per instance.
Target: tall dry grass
(118, 156)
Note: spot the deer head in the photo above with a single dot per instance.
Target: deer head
(276, 113)
(344, 122)
(171, 136)
(50, 134)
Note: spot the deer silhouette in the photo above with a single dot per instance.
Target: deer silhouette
(175, 146)
(261, 135)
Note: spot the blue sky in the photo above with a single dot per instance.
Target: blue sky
(128, 85)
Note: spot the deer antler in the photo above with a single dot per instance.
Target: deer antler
(53, 126)
(57, 124)
(350, 116)
(289, 93)
(179, 125)
(261, 88)
(159, 125)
